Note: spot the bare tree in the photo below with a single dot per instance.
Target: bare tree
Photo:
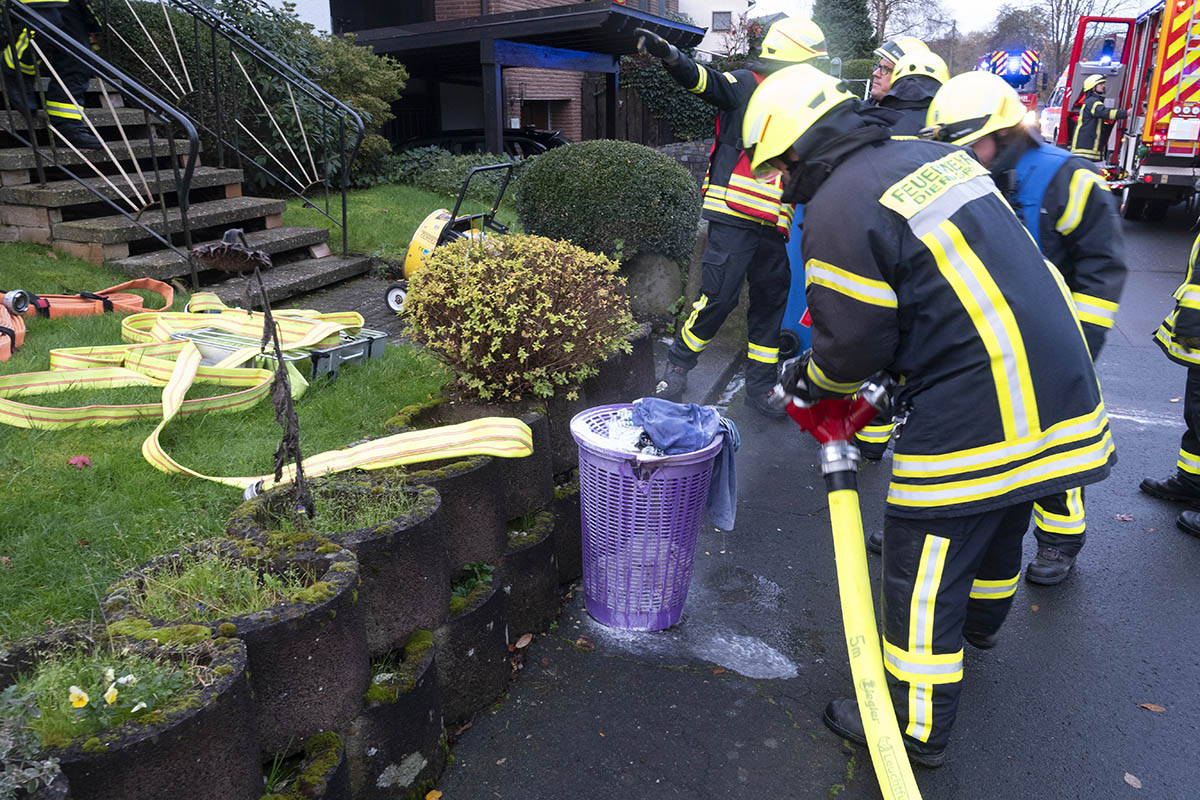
(1062, 17)
(920, 18)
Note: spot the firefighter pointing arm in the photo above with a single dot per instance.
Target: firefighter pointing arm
(1067, 208)
(747, 222)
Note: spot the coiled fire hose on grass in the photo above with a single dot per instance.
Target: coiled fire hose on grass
(833, 423)
(17, 302)
(153, 358)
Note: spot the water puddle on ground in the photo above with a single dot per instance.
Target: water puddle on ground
(722, 605)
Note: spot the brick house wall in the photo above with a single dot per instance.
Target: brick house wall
(558, 89)
(455, 9)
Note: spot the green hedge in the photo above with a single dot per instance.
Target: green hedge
(437, 170)
(617, 198)
(857, 69)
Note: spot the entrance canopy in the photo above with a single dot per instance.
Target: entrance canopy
(582, 37)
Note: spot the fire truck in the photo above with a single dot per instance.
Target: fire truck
(1019, 70)
(1152, 68)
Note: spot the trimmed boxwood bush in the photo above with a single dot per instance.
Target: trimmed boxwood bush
(617, 198)
(517, 316)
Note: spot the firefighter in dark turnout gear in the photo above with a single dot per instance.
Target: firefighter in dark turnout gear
(938, 283)
(1094, 116)
(1072, 215)
(916, 78)
(748, 225)
(63, 100)
(889, 53)
(1179, 338)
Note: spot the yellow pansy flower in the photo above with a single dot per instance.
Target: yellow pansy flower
(79, 698)
(111, 694)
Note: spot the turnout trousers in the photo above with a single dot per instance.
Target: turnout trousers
(939, 576)
(75, 74)
(1188, 464)
(735, 255)
(1058, 521)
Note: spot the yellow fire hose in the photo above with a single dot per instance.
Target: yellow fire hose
(866, 659)
(833, 422)
(155, 359)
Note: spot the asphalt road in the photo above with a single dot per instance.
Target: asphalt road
(728, 704)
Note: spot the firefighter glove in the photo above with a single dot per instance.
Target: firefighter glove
(651, 43)
(793, 378)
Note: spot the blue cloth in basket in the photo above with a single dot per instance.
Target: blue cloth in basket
(686, 427)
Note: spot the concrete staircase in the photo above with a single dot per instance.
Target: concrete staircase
(70, 218)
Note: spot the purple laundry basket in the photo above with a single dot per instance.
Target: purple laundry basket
(641, 517)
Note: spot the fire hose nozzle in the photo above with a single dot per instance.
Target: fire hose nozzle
(16, 301)
(839, 456)
(877, 395)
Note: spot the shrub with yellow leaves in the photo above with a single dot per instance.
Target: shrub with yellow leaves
(518, 317)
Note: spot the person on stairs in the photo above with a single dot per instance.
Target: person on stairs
(78, 20)
(748, 225)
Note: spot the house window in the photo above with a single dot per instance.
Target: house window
(722, 21)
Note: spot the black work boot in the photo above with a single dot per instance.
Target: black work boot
(875, 542)
(1189, 522)
(980, 640)
(842, 717)
(760, 400)
(1050, 567)
(673, 383)
(1172, 489)
(78, 134)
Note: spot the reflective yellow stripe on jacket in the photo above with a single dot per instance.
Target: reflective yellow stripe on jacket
(1026, 455)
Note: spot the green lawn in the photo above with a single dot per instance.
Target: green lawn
(67, 532)
(383, 220)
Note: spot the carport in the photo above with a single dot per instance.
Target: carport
(581, 37)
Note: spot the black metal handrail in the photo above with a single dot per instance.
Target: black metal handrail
(214, 112)
(17, 17)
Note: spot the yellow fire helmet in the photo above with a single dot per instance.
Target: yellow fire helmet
(920, 62)
(793, 39)
(895, 49)
(785, 105)
(972, 105)
(1092, 81)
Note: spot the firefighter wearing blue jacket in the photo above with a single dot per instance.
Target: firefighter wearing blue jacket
(748, 225)
(1071, 214)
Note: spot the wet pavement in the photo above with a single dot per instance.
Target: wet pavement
(727, 704)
